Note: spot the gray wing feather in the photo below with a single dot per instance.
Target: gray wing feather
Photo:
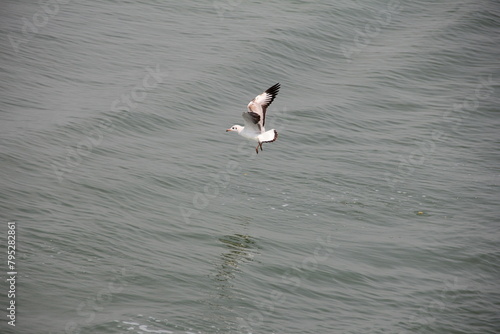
(252, 120)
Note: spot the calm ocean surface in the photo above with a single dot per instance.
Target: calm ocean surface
(375, 211)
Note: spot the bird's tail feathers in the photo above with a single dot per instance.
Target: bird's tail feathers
(268, 136)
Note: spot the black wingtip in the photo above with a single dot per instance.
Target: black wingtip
(274, 89)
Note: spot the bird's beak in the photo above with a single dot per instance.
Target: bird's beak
(228, 130)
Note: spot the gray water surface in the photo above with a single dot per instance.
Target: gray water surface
(375, 211)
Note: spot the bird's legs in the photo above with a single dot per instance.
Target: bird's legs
(257, 148)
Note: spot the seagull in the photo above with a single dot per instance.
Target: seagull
(255, 118)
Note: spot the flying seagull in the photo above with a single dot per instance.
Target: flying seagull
(255, 118)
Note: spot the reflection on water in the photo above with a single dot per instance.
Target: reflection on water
(225, 298)
(240, 249)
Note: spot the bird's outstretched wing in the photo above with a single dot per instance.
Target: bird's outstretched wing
(255, 117)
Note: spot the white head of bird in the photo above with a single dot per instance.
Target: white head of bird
(237, 128)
